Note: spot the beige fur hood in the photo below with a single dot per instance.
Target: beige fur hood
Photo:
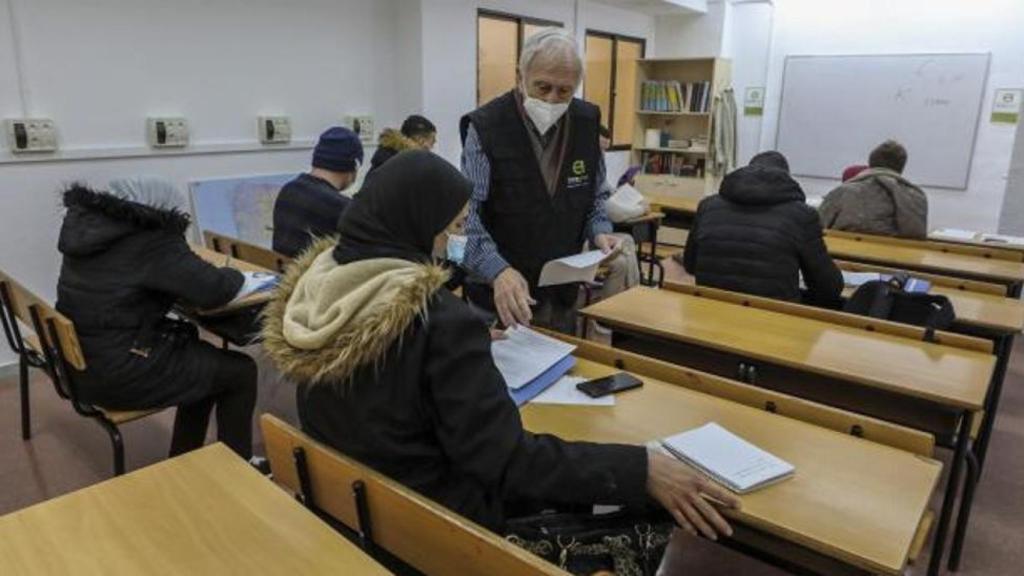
(394, 139)
(327, 320)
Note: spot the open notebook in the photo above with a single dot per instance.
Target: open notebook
(728, 459)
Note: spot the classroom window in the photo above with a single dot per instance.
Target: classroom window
(499, 40)
(610, 82)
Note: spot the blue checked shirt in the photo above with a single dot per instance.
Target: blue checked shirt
(483, 261)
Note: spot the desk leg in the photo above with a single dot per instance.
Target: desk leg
(976, 461)
(952, 487)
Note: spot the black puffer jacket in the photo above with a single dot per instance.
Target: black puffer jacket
(757, 235)
(125, 265)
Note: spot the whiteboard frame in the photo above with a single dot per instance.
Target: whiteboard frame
(977, 122)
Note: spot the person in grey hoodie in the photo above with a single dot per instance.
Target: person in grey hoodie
(879, 200)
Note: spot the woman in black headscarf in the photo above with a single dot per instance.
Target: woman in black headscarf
(395, 371)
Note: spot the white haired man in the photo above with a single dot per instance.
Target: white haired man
(538, 173)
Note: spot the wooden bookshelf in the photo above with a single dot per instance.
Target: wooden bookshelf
(681, 125)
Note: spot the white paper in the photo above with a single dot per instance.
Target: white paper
(525, 354)
(859, 278)
(576, 268)
(738, 464)
(564, 392)
(815, 201)
(955, 234)
(1002, 239)
(256, 282)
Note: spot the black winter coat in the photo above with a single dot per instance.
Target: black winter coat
(124, 266)
(757, 235)
(306, 208)
(430, 410)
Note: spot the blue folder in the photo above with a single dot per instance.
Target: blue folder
(541, 383)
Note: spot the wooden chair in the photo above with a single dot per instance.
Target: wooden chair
(392, 522)
(241, 250)
(53, 347)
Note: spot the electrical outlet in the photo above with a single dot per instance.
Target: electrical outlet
(275, 129)
(167, 132)
(363, 126)
(31, 135)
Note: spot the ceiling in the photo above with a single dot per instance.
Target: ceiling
(659, 7)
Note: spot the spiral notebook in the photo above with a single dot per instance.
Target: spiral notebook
(728, 459)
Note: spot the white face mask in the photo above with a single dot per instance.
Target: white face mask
(456, 248)
(544, 114)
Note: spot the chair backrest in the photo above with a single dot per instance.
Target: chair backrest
(835, 317)
(873, 429)
(53, 329)
(990, 252)
(242, 250)
(410, 527)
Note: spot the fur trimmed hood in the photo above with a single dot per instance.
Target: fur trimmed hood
(327, 320)
(394, 139)
(95, 220)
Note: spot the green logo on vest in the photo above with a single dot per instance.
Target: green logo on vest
(579, 167)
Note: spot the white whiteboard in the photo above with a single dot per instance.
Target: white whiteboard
(835, 109)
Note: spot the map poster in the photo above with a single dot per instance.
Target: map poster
(242, 207)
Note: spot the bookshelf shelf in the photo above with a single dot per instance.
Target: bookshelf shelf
(656, 113)
(700, 151)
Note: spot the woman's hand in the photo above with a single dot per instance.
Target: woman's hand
(684, 492)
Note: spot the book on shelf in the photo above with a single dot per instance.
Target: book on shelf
(674, 97)
(672, 164)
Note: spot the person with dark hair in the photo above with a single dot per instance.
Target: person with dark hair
(757, 235)
(879, 200)
(309, 206)
(395, 371)
(125, 263)
(417, 133)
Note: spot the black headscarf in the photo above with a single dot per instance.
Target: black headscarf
(399, 212)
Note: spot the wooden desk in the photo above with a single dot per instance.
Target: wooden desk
(221, 260)
(947, 375)
(909, 257)
(851, 500)
(207, 512)
(927, 386)
(979, 241)
(681, 204)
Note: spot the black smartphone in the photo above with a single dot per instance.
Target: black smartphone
(609, 385)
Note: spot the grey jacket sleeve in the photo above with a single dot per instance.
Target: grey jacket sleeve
(911, 212)
(829, 209)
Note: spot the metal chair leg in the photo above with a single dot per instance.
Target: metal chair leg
(116, 442)
(26, 413)
(964, 517)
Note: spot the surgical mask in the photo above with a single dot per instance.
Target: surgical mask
(544, 114)
(456, 249)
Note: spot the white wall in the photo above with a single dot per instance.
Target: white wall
(747, 44)
(98, 68)
(1011, 220)
(693, 35)
(908, 26)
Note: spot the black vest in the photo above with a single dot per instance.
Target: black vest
(530, 226)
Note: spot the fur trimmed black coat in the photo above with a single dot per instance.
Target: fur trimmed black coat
(124, 266)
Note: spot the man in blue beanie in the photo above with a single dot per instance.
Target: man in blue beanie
(310, 205)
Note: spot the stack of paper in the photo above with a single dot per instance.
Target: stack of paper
(856, 279)
(575, 268)
(531, 362)
(1002, 239)
(256, 282)
(728, 459)
(565, 392)
(955, 234)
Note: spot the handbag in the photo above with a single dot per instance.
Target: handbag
(583, 544)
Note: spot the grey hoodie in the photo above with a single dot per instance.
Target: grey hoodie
(878, 201)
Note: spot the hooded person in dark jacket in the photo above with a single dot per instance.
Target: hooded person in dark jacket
(757, 235)
(396, 372)
(126, 262)
(417, 133)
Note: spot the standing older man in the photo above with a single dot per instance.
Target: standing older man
(538, 172)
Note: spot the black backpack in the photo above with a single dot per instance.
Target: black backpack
(887, 300)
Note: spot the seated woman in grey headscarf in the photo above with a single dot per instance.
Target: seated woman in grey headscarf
(125, 263)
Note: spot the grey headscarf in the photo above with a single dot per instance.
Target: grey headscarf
(149, 191)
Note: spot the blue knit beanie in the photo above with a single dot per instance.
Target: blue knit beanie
(338, 150)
